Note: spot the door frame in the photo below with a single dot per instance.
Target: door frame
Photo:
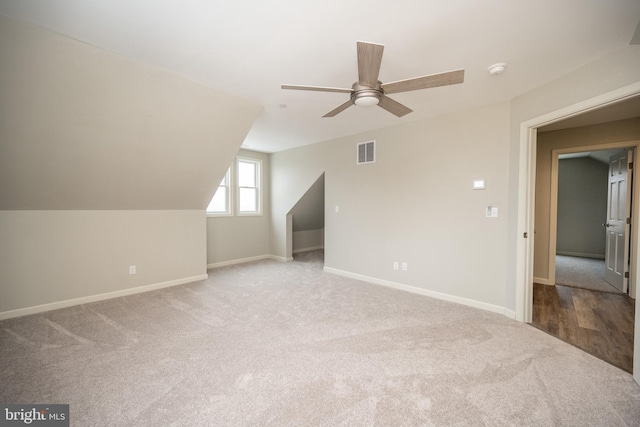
(553, 206)
(526, 203)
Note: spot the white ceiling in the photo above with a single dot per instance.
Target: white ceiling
(249, 48)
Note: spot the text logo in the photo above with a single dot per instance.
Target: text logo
(34, 415)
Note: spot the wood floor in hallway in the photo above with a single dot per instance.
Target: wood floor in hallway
(599, 323)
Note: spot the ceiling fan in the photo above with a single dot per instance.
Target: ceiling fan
(369, 91)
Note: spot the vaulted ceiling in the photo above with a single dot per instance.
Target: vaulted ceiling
(249, 48)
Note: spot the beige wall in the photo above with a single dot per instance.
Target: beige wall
(414, 204)
(47, 257)
(620, 131)
(233, 238)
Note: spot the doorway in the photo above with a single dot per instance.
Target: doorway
(524, 246)
(580, 254)
(306, 228)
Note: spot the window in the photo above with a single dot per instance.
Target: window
(240, 187)
(221, 202)
(249, 198)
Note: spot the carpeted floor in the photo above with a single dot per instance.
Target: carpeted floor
(284, 344)
(584, 273)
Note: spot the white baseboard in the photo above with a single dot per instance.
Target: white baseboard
(280, 258)
(248, 259)
(581, 255)
(309, 249)
(510, 314)
(433, 294)
(238, 261)
(99, 297)
(541, 281)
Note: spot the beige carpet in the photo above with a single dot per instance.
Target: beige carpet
(284, 344)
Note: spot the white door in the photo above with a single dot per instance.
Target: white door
(618, 218)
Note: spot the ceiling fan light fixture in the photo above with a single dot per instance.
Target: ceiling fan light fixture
(367, 101)
(366, 98)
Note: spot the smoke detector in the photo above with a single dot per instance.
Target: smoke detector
(497, 69)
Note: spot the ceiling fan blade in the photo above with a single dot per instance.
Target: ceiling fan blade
(340, 108)
(316, 88)
(424, 82)
(369, 60)
(394, 107)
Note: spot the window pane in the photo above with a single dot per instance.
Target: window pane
(219, 201)
(248, 200)
(246, 174)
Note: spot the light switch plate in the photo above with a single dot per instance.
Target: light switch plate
(492, 212)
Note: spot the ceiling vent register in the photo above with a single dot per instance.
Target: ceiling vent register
(366, 152)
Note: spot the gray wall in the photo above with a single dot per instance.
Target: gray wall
(104, 163)
(582, 207)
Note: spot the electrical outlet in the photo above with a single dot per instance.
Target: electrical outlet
(395, 265)
(405, 266)
(132, 269)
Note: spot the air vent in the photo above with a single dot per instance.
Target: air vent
(366, 152)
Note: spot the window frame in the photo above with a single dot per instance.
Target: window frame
(230, 190)
(258, 174)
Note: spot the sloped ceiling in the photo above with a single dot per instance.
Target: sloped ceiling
(82, 128)
(250, 48)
